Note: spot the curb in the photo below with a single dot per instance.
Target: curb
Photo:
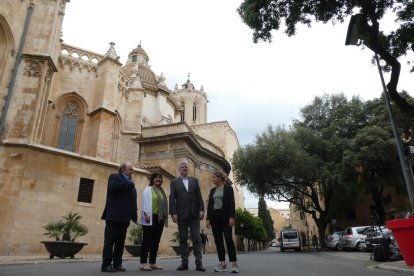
(15, 260)
(395, 268)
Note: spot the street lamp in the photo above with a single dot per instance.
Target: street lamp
(354, 37)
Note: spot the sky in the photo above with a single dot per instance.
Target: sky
(249, 85)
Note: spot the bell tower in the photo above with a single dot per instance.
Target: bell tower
(193, 103)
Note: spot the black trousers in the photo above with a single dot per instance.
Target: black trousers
(151, 240)
(221, 228)
(114, 240)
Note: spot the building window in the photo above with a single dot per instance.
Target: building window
(194, 112)
(68, 127)
(85, 190)
(134, 58)
(182, 112)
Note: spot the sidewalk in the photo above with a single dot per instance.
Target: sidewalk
(399, 266)
(37, 259)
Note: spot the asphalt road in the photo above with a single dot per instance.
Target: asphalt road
(271, 262)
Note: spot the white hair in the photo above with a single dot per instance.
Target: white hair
(184, 161)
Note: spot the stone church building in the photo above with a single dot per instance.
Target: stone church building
(70, 116)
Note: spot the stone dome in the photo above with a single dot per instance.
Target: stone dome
(139, 51)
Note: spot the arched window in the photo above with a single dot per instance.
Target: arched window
(134, 58)
(182, 112)
(194, 112)
(6, 41)
(68, 126)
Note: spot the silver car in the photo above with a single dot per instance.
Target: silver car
(332, 241)
(353, 238)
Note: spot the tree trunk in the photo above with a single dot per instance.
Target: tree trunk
(321, 223)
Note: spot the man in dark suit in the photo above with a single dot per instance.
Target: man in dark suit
(187, 209)
(120, 209)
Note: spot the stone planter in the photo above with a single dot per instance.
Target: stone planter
(63, 249)
(403, 230)
(133, 249)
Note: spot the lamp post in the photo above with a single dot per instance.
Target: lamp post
(354, 37)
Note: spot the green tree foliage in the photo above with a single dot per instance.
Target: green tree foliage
(338, 149)
(250, 227)
(371, 158)
(303, 165)
(265, 16)
(264, 214)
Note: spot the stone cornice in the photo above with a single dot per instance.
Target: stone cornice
(42, 58)
(190, 139)
(20, 143)
(101, 109)
(129, 132)
(105, 59)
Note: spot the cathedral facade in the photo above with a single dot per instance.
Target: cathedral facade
(70, 116)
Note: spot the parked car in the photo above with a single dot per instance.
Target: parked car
(333, 240)
(290, 239)
(274, 244)
(377, 235)
(353, 238)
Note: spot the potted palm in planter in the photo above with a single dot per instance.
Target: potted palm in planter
(65, 232)
(176, 242)
(135, 236)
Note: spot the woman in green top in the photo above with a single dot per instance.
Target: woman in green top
(154, 216)
(220, 216)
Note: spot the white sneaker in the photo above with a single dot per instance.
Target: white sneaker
(234, 268)
(221, 268)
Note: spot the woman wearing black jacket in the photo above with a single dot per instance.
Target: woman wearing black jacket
(221, 218)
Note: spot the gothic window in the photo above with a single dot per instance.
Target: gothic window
(6, 49)
(194, 112)
(68, 126)
(182, 112)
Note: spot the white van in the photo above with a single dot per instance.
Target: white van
(290, 239)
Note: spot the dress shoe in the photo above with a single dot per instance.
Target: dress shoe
(182, 267)
(120, 268)
(200, 268)
(108, 268)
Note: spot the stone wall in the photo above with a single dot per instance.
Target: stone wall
(39, 185)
